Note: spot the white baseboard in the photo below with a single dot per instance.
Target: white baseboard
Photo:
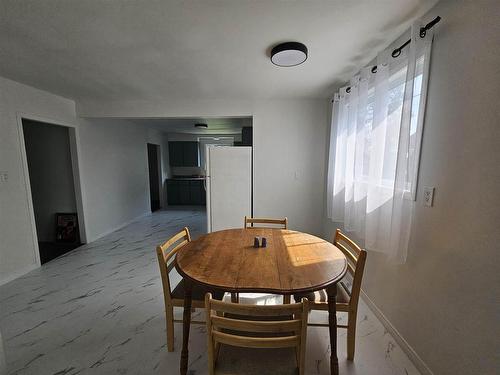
(18, 273)
(410, 352)
(96, 237)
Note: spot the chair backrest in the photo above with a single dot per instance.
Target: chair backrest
(265, 223)
(232, 324)
(166, 254)
(356, 258)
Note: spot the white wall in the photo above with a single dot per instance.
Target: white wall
(444, 300)
(18, 249)
(289, 157)
(3, 362)
(114, 174)
(51, 174)
(289, 148)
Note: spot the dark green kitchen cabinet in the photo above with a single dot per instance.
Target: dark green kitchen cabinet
(184, 197)
(203, 193)
(183, 154)
(190, 154)
(185, 192)
(195, 192)
(172, 192)
(175, 154)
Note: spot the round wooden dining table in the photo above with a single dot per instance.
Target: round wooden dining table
(291, 263)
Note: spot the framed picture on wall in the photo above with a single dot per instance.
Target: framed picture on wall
(67, 227)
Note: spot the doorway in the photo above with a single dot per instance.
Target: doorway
(50, 170)
(154, 176)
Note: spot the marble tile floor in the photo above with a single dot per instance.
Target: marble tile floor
(99, 310)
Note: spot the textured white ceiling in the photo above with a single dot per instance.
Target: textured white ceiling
(210, 49)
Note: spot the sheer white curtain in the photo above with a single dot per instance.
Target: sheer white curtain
(374, 148)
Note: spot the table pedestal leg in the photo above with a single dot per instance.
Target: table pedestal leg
(332, 322)
(186, 322)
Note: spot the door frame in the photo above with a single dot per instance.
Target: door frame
(74, 142)
(160, 177)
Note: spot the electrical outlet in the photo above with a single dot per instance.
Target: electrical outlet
(428, 196)
(4, 176)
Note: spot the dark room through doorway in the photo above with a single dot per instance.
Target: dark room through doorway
(50, 170)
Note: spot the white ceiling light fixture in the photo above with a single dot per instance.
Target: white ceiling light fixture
(289, 54)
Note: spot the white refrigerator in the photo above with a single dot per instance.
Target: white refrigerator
(228, 186)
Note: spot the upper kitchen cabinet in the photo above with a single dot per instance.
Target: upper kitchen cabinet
(183, 154)
(246, 136)
(190, 154)
(175, 154)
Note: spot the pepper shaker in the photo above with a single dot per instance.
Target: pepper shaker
(256, 242)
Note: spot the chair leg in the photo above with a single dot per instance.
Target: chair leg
(217, 350)
(235, 297)
(351, 335)
(302, 358)
(297, 349)
(300, 350)
(287, 299)
(170, 328)
(297, 358)
(211, 358)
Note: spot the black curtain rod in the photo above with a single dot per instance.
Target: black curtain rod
(395, 53)
(422, 33)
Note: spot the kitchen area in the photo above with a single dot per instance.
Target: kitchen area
(211, 166)
(186, 185)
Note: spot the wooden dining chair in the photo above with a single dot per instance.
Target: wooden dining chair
(175, 298)
(265, 223)
(253, 222)
(256, 326)
(347, 298)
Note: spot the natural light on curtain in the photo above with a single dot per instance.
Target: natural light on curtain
(374, 148)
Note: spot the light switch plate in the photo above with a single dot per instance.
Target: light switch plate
(4, 176)
(428, 196)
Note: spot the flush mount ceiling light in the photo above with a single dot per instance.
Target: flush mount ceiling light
(289, 54)
(201, 125)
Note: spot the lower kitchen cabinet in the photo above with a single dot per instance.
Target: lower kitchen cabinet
(194, 193)
(184, 197)
(172, 192)
(185, 192)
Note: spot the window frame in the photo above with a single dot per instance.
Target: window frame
(412, 192)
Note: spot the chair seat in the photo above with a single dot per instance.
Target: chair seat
(198, 293)
(320, 296)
